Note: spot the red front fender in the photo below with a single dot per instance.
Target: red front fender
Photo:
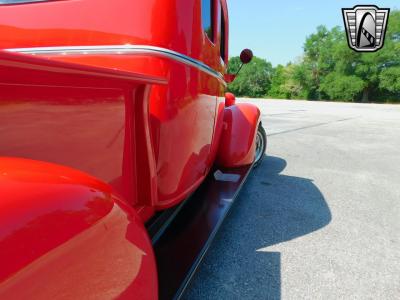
(65, 235)
(237, 145)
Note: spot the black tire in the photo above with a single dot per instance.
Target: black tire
(261, 145)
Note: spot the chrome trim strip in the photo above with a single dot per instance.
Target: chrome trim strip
(121, 49)
(10, 2)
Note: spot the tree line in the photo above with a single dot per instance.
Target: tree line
(327, 70)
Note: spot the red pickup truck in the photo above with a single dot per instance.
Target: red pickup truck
(120, 153)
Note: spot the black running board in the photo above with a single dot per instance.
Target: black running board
(182, 235)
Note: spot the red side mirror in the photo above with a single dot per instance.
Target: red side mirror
(246, 56)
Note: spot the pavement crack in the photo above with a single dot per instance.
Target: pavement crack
(311, 126)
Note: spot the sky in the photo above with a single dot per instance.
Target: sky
(276, 29)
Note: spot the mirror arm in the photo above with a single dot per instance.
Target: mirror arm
(240, 68)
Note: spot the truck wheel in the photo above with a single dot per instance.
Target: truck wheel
(261, 145)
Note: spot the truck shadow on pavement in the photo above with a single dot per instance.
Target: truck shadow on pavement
(272, 208)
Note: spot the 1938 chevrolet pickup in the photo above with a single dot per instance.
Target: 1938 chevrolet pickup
(120, 154)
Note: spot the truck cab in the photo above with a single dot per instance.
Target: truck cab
(113, 115)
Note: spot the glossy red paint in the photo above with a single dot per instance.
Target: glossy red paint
(173, 24)
(237, 145)
(77, 238)
(185, 108)
(148, 125)
(82, 117)
(56, 218)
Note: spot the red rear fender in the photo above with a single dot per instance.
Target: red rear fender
(66, 235)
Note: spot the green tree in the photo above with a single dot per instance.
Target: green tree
(342, 87)
(279, 78)
(287, 82)
(319, 59)
(337, 72)
(254, 80)
(389, 78)
(328, 70)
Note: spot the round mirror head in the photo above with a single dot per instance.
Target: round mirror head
(246, 56)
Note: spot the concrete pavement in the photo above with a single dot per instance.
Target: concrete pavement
(320, 217)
